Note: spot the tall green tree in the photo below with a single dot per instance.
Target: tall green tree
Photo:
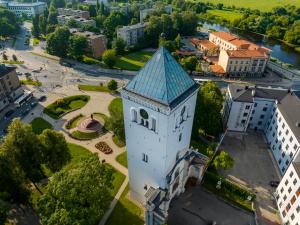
(114, 20)
(79, 194)
(23, 147)
(9, 25)
(58, 42)
(55, 151)
(293, 34)
(223, 161)
(119, 45)
(209, 99)
(43, 24)
(92, 10)
(109, 58)
(112, 85)
(116, 120)
(35, 26)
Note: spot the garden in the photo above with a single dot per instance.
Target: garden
(64, 105)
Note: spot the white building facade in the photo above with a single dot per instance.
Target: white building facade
(131, 34)
(275, 112)
(158, 107)
(28, 9)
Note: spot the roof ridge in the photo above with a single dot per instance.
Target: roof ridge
(165, 74)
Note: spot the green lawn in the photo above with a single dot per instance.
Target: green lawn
(226, 14)
(56, 110)
(31, 82)
(122, 159)
(133, 61)
(12, 62)
(72, 123)
(262, 5)
(98, 88)
(84, 135)
(118, 142)
(126, 212)
(39, 124)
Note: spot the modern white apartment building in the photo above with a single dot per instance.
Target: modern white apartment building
(28, 9)
(131, 34)
(288, 194)
(275, 112)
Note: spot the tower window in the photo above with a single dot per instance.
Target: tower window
(133, 115)
(153, 127)
(145, 157)
(144, 114)
(180, 137)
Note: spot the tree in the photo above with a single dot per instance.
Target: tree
(79, 194)
(170, 45)
(116, 120)
(55, 151)
(22, 146)
(220, 6)
(189, 63)
(114, 20)
(43, 24)
(92, 10)
(58, 3)
(72, 23)
(14, 57)
(223, 161)
(52, 17)
(119, 45)
(210, 99)
(58, 42)
(112, 85)
(109, 58)
(134, 21)
(3, 213)
(77, 46)
(35, 30)
(178, 41)
(9, 25)
(293, 34)
(12, 181)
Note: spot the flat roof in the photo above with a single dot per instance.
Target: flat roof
(6, 69)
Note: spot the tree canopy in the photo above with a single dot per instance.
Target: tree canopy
(77, 195)
(77, 46)
(58, 41)
(223, 161)
(9, 25)
(116, 120)
(210, 99)
(109, 57)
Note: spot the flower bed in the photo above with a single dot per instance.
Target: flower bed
(103, 147)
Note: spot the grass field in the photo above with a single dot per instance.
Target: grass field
(133, 61)
(122, 159)
(262, 5)
(65, 105)
(31, 82)
(126, 212)
(97, 88)
(39, 124)
(84, 135)
(226, 14)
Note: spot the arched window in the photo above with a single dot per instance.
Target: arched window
(147, 124)
(133, 115)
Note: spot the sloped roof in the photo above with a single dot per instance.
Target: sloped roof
(6, 69)
(162, 79)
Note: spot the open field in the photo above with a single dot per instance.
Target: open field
(226, 14)
(262, 5)
(133, 61)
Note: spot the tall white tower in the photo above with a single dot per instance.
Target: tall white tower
(158, 106)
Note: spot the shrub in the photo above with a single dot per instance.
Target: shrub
(70, 122)
(60, 102)
(112, 85)
(89, 60)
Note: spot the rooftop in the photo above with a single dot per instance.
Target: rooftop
(225, 35)
(5, 69)
(87, 34)
(162, 80)
(207, 44)
(25, 4)
(131, 27)
(246, 53)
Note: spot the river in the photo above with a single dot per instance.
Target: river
(279, 50)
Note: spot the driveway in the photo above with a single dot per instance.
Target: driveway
(254, 168)
(199, 207)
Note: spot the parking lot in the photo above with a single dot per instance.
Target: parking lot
(254, 169)
(198, 207)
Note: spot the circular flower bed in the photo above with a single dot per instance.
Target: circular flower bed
(103, 147)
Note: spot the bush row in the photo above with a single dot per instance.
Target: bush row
(69, 122)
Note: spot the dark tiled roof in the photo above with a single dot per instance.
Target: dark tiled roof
(244, 93)
(6, 69)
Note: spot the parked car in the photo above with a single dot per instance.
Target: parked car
(19, 73)
(42, 98)
(33, 104)
(274, 183)
(36, 71)
(9, 113)
(27, 74)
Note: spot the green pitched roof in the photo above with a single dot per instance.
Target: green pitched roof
(162, 79)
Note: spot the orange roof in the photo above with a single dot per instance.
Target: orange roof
(186, 53)
(225, 35)
(207, 44)
(243, 44)
(217, 69)
(195, 41)
(246, 53)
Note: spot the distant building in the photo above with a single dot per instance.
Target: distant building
(94, 2)
(10, 87)
(122, 8)
(145, 12)
(73, 12)
(28, 9)
(275, 112)
(205, 46)
(236, 57)
(63, 19)
(131, 34)
(96, 43)
(288, 194)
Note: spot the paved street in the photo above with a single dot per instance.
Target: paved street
(198, 207)
(254, 169)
